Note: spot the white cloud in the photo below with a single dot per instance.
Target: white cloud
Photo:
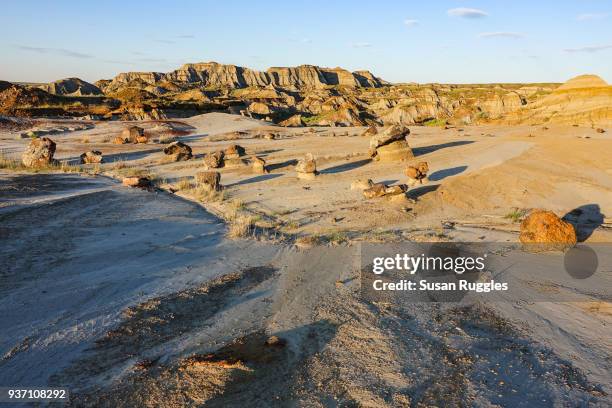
(361, 45)
(591, 48)
(501, 34)
(58, 51)
(591, 16)
(467, 12)
(411, 22)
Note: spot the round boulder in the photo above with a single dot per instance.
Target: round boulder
(547, 229)
(39, 153)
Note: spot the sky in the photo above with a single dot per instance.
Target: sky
(448, 41)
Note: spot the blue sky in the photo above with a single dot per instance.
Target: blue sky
(454, 41)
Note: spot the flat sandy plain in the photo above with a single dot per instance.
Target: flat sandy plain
(119, 293)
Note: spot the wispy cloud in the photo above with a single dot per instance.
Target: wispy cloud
(361, 45)
(57, 51)
(501, 34)
(152, 60)
(591, 48)
(164, 41)
(411, 22)
(465, 12)
(186, 36)
(591, 16)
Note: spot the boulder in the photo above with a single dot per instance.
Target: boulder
(234, 151)
(39, 153)
(91, 157)
(546, 229)
(361, 184)
(179, 151)
(377, 190)
(269, 136)
(132, 133)
(306, 164)
(137, 182)
(210, 180)
(381, 190)
(391, 134)
(214, 160)
(259, 165)
(306, 167)
(600, 130)
(142, 139)
(391, 145)
(417, 174)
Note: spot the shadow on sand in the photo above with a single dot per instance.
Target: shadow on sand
(346, 166)
(419, 151)
(421, 191)
(442, 174)
(585, 219)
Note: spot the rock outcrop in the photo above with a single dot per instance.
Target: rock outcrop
(72, 87)
(212, 74)
(543, 230)
(132, 133)
(39, 153)
(417, 174)
(178, 151)
(259, 165)
(391, 144)
(214, 160)
(92, 157)
(306, 167)
(209, 180)
(586, 99)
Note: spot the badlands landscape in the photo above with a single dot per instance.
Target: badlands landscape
(190, 238)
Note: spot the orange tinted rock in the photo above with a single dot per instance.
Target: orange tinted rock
(545, 227)
(140, 182)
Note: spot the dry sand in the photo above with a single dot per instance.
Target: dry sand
(138, 298)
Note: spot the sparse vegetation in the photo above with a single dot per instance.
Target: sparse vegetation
(435, 122)
(517, 214)
(241, 226)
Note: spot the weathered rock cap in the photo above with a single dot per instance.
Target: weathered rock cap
(234, 151)
(543, 230)
(214, 160)
(179, 151)
(210, 180)
(391, 134)
(259, 165)
(92, 157)
(132, 133)
(39, 152)
(307, 165)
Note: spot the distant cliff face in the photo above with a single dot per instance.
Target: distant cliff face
(214, 75)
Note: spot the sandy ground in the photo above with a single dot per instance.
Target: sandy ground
(137, 298)
(478, 175)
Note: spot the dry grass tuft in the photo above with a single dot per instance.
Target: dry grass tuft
(241, 226)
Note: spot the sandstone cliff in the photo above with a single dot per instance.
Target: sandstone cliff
(214, 75)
